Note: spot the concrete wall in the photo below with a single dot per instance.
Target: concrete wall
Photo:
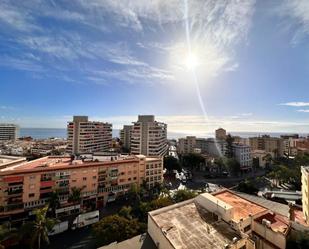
(157, 235)
(273, 237)
(214, 205)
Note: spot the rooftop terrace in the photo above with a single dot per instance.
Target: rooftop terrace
(190, 226)
(242, 207)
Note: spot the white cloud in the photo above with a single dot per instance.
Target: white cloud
(298, 12)
(296, 104)
(303, 110)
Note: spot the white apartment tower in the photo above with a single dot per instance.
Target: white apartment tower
(125, 136)
(149, 137)
(8, 132)
(88, 136)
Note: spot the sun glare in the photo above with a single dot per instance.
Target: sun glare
(191, 61)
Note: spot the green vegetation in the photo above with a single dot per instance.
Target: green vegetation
(171, 163)
(132, 220)
(247, 186)
(75, 196)
(38, 229)
(192, 161)
(116, 228)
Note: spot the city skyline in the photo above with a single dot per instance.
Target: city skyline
(115, 60)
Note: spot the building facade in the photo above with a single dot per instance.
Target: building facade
(100, 178)
(305, 191)
(269, 144)
(86, 136)
(149, 137)
(125, 136)
(8, 132)
(242, 154)
(220, 134)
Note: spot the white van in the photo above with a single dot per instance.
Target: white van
(86, 219)
(59, 228)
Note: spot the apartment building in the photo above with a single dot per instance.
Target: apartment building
(101, 179)
(216, 148)
(149, 137)
(86, 136)
(269, 144)
(187, 145)
(220, 134)
(125, 136)
(8, 132)
(242, 154)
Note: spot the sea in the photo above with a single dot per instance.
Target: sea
(43, 133)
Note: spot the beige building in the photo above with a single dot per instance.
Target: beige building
(268, 144)
(149, 137)
(101, 179)
(125, 136)
(221, 134)
(8, 132)
(186, 145)
(86, 136)
(305, 191)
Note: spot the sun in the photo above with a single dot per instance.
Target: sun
(191, 61)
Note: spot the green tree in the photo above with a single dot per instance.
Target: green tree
(38, 229)
(7, 234)
(54, 202)
(116, 228)
(171, 163)
(229, 146)
(247, 186)
(75, 196)
(192, 160)
(184, 194)
(233, 166)
(125, 212)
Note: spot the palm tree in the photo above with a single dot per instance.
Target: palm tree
(75, 196)
(39, 228)
(54, 201)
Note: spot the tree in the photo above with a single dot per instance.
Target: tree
(171, 163)
(233, 166)
(183, 194)
(267, 158)
(75, 196)
(116, 228)
(229, 146)
(39, 228)
(54, 202)
(125, 212)
(192, 160)
(247, 186)
(7, 234)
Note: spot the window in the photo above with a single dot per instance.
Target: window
(31, 195)
(84, 178)
(94, 177)
(134, 178)
(31, 177)
(31, 186)
(74, 180)
(129, 179)
(93, 185)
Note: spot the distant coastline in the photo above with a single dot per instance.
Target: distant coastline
(43, 133)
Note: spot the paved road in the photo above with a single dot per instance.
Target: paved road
(81, 238)
(78, 239)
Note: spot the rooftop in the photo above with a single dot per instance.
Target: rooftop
(242, 207)
(188, 226)
(142, 241)
(7, 161)
(54, 162)
(278, 223)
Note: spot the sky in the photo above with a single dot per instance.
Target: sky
(196, 65)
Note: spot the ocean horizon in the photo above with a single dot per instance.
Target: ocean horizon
(43, 133)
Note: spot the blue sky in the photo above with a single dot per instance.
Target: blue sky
(113, 60)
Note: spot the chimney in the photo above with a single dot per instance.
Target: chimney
(291, 212)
